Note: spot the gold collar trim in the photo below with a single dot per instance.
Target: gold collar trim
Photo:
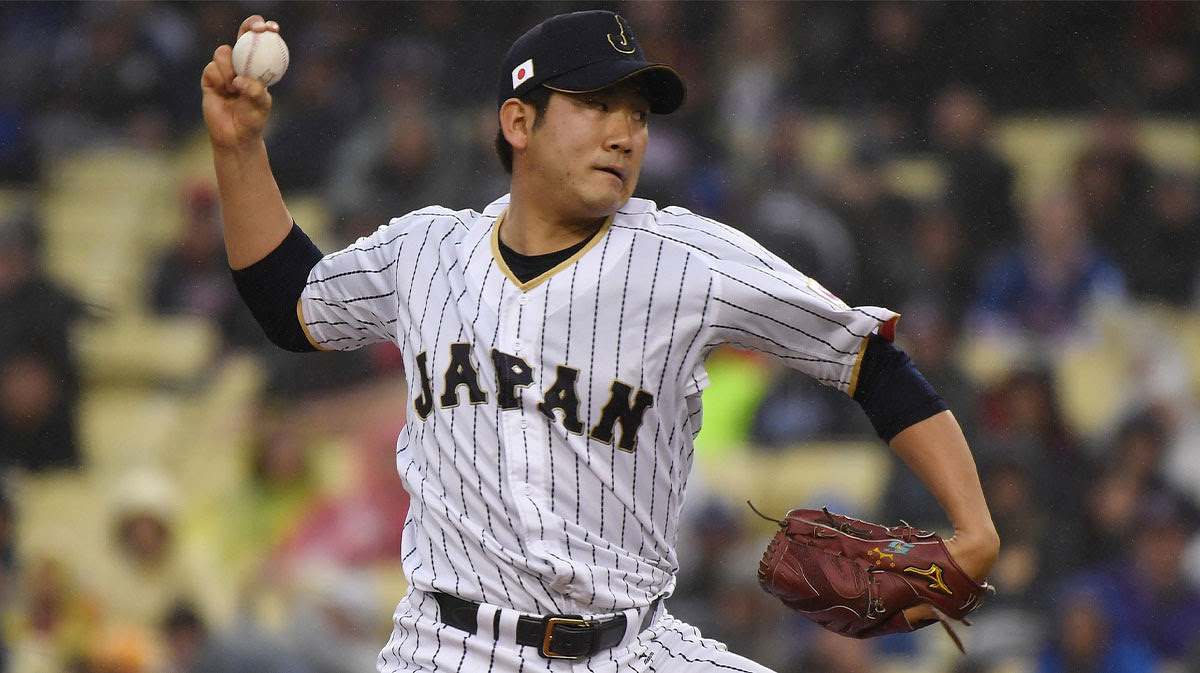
(538, 280)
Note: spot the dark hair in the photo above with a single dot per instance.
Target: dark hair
(183, 616)
(539, 98)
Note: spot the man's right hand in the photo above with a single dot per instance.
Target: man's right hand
(235, 108)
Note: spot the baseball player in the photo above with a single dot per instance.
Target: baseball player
(555, 343)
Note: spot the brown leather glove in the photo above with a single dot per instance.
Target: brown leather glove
(856, 578)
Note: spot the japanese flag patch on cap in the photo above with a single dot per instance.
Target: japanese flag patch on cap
(522, 73)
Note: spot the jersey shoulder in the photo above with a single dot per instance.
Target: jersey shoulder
(437, 219)
(712, 241)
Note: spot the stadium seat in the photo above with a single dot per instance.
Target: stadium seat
(136, 349)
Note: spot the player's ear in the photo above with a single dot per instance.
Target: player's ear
(516, 122)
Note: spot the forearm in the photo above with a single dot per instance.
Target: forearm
(254, 216)
(937, 452)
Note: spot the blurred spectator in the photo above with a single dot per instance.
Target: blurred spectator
(19, 160)
(147, 568)
(191, 647)
(124, 73)
(313, 118)
(1138, 450)
(825, 42)
(788, 216)
(397, 160)
(1114, 182)
(738, 384)
(8, 547)
(1086, 641)
(254, 520)
(1164, 264)
(795, 408)
(1110, 515)
(752, 68)
(941, 271)
(879, 223)
(1127, 474)
(39, 382)
(1041, 286)
(50, 619)
(357, 526)
(24, 68)
(979, 186)
(1145, 594)
(715, 535)
(1016, 614)
(193, 277)
(1165, 41)
(186, 639)
(334, 624)
(1021, 419)
(896, 69)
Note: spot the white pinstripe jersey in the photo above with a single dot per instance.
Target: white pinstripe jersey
(550, 423)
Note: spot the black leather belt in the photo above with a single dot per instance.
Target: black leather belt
(555, 636)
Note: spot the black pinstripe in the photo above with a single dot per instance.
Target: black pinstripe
(695, 337)
(645, 337)
(791, 304)
(355, 248)
(591, 368)
(355, 272)
(677, 492)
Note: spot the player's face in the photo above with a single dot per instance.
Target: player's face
(587, 153)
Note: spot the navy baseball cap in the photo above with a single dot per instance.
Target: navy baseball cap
(585, 51)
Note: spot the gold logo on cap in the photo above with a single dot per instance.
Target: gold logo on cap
(623, 46)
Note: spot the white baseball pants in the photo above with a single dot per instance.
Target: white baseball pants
(421, 642)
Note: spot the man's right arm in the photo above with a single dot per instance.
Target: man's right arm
(269, 255)
(236, 108)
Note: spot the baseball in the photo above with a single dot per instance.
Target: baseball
(263, 56)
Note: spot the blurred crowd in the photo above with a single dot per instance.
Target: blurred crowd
(1016, 302)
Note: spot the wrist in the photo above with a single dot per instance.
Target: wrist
(241, 163)
(238, 150)
(981, 537)
(975, 550)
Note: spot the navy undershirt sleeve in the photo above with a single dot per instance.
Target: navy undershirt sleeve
(891, 390)
(272, 286)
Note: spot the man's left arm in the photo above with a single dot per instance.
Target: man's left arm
(937, 452)
(912, 418)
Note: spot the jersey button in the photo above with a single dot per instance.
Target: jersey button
(524, 423)
(524, 298)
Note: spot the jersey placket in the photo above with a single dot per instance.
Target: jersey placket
(524, 428)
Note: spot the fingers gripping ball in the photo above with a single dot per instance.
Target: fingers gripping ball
(856, 578)
(262, 56)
